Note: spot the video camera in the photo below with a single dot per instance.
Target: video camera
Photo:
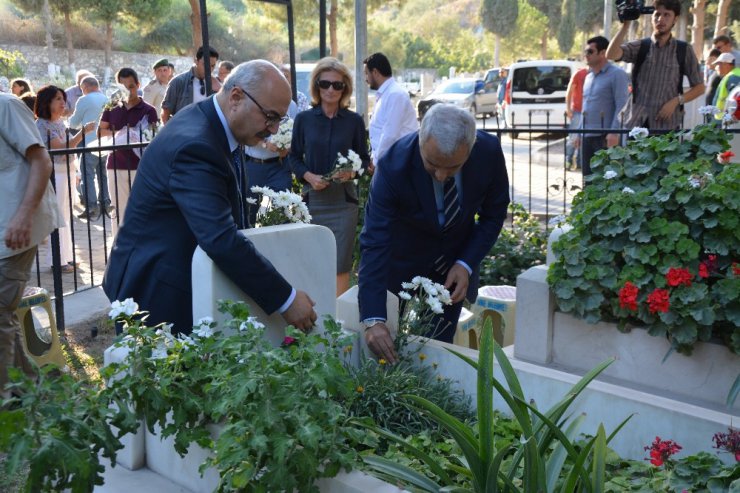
(630, 10)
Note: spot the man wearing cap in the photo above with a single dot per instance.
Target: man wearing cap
(154, 91)
(725, 67)
(724, 44)
(190, 87)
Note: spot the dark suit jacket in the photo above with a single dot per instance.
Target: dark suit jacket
(185, 194)
(402, 236)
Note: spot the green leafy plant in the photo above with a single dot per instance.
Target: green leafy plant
(58, 428)
(279, 430)
(545, 443)
(379, 389)
(518, 248)
(654, 241)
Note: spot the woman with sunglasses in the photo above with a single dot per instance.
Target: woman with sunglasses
(321, 133)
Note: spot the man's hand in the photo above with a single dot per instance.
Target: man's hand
(18, 232)
(612, 140)
(300, 314)
(371, 168)
(458, 277)
(344, 176)
(668, 109)
(379, 340)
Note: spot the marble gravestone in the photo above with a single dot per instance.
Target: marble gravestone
(305, 254)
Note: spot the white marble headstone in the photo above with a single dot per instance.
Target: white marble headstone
(305, 254)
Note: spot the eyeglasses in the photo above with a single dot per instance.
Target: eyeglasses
(588, 52)
(338, 85)
(271, 118)
(202, 87)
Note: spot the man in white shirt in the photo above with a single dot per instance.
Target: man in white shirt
(394, 115)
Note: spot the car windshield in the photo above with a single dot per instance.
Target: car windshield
(541, 80)
(456, 87)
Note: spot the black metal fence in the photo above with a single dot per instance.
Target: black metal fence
(540, 179)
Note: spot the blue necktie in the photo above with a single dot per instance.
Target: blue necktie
(451, 203)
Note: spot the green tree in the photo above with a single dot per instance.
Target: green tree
(499, 17)
(589, 15)
(553, 12)
(567, 28)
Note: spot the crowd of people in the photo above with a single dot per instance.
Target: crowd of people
(437, 200)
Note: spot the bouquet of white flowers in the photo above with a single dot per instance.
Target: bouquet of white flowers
(424, 300)
(351, 162)
(283, 208)
(284, 135)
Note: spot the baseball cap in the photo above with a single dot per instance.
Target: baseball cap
(163, 62)
(725, 58)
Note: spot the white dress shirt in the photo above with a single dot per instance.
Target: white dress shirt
(393, 117)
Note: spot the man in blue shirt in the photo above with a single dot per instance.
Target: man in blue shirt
(605, 92)
(88, 109)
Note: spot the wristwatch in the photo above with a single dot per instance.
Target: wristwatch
(371, 322)
(680, 99)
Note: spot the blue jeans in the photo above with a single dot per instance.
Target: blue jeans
(570, 149)
(93, 165)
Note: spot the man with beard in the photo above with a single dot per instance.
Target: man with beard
(190, 191)
(394, 115)
(659, 65)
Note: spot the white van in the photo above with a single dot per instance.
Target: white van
(535, 93)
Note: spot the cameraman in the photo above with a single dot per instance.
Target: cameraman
(656, 102)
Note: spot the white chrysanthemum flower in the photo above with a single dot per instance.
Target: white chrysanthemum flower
(610, 174)
(126, 307)
(408, 285)
(639, 133)
(628, 190)
(251, 200)
(404, 295)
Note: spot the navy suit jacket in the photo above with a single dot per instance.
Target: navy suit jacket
(402, 236)
(185, 195)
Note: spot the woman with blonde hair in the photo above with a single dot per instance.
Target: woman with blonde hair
(320, 134)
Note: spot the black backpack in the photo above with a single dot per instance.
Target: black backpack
(642, 54)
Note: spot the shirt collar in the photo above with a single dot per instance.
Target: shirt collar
(384, 86)
(233, 144)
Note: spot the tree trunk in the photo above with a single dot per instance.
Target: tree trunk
(720, 27)
(108, 43)
(543, 46)
(497, 51)
(331, 19)
(195, 22)
(70, 43)
(697, 28)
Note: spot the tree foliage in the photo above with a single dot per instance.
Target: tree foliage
(567, 28)
(499, 16)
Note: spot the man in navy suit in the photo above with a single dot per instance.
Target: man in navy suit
(190, 191)
(420, 218)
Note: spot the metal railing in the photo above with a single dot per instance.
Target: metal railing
(539, 178)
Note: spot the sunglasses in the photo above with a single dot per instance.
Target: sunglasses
(589, 51)
(271, 118)
(338, 85)
(202, 87)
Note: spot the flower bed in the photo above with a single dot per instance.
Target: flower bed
(655, 241)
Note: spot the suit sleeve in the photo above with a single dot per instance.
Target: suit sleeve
(297, 149)
(200, 189)
(359, 142)
(493, 210)
(375, 246)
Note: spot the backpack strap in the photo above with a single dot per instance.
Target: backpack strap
(681, 48)
(641, 56)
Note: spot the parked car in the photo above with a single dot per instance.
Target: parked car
(466, 92)
(535, 93)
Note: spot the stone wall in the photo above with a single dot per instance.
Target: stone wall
(40, 68)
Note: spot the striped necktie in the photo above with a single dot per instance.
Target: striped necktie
(451, 203)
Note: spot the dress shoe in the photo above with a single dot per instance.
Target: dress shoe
(90, 214)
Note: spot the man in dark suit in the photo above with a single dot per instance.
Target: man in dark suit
(420, 217)
(190, 191)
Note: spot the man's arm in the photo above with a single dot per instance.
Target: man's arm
(392, 125)
(166, 115)
(569, 97)
(614, 51)
(621, 94)
(18, 232)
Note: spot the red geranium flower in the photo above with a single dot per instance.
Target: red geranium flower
(677, 277)
(703, 270)
(658, 301)
(736, 268)
(724, 157)
(628, 296)
(289, 341)
(661, 451)
(729, 442)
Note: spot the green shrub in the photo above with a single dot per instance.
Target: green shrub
(518, 248)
